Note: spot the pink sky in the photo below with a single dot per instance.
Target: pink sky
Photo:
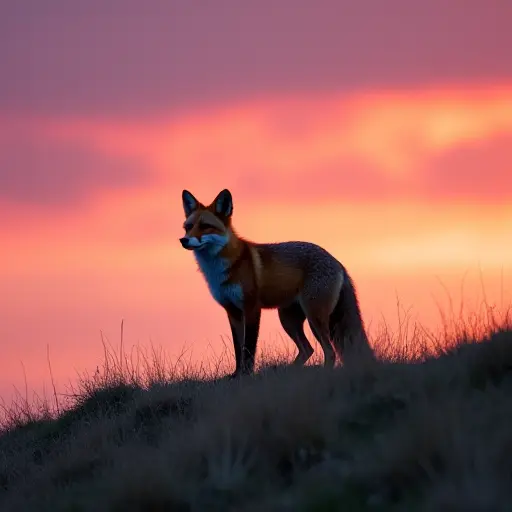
(383, 135)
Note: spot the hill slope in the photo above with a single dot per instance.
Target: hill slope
(432, 435)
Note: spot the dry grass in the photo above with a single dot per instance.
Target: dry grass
(426, 427)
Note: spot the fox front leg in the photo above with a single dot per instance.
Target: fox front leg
(252, 319)
(245, 326)
(237, 324)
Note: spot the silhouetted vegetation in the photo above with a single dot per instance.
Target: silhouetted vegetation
(426, 427)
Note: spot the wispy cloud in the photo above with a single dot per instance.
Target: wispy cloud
(432, 143)
(382, 144)
(39, 173)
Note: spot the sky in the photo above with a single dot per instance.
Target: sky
(380, 130)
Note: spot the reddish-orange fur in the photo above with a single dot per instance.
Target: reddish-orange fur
(246, 277)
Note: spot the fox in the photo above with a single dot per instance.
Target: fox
(300, 279)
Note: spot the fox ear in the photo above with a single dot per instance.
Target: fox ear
(224, 203)
(190, 203)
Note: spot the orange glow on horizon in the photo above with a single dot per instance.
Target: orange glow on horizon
(350, 172)
(391, 130)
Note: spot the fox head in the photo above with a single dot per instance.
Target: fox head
(207, 228)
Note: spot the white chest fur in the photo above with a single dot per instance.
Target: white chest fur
(215, 270)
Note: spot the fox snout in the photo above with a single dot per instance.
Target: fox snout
(185, 242)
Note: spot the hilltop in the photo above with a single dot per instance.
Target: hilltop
(431, 432)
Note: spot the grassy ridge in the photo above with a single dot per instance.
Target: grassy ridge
(425, 428)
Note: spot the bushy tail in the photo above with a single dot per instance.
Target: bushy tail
(347, 328)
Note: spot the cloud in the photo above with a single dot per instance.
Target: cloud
(132, 59)
(372, 146)
(350, 181)
(44, 174)
(369, 146)
(477, 170)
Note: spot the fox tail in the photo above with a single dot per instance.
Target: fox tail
(346, 326)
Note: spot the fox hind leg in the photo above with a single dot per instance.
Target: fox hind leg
(318, 319)
(292, 319)
(320, 329)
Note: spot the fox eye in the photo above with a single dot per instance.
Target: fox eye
(188, 226)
